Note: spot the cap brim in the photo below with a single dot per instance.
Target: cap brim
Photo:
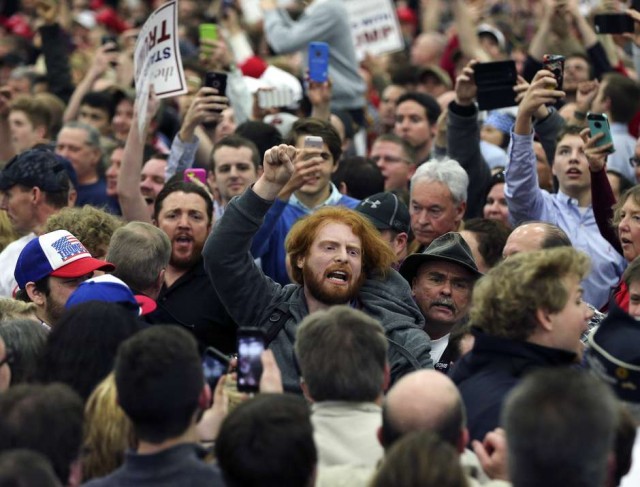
(147, 305)
(410, 265)
(82, 267)
(379, 224)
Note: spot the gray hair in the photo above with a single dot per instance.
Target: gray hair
(446, 171)
(93, 136)
(26, 340)
(139, 251)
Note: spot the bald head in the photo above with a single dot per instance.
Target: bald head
(535, 236)
(424, 400)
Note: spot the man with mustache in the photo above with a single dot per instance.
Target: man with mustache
(335, 256)
(441, 279)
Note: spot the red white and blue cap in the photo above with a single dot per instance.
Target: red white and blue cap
(109, 289)
(58, 254)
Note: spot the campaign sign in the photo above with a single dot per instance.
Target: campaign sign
(157, 59)
(374, 27)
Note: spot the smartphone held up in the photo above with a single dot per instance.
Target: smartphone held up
(251, 344)
(599, 124)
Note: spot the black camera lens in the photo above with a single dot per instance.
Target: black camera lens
(597, 125)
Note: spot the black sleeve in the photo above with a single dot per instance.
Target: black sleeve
(56, 58)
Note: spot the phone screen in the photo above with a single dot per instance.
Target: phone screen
(250, 348)
(214, 366)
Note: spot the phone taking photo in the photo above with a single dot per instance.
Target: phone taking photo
(208, 32)
(318, 61)
(613, 23)
(217, 80)
(195, 173)
(555, 64)
(251, 344)
(214, 365)
(599, 124)
(313, 142)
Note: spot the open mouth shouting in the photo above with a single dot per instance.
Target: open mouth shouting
(339, 277)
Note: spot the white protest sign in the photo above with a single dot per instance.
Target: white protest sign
(157, 59)
(374, 27)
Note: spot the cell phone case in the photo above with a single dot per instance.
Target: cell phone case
(495, 82)
(599, 124)
(318, 61)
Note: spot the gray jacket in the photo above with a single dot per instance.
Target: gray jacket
(254, 300)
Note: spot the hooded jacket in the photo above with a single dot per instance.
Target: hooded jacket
(254, 300)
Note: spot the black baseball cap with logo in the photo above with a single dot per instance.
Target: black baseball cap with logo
(386, 211)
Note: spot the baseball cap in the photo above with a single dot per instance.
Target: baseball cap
(450, 247)
(36, 167)
(110, 289)
(613, 353)
(58, 254)
(386, 211)
(494, 32)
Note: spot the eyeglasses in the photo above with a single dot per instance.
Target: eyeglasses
(634, 161)
(392, 159)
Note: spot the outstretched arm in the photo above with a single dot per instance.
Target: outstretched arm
(132, 203)
(526, 201)
(231, 268)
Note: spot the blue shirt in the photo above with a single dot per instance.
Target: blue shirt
(528, 202)
(268, 243)
(625, 148)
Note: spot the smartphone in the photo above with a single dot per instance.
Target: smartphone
(278, 97)
(599, 124)
(313, 142)
(495, 82)
(616, 23)
(109, 39)
(208, 32)
(318, 61)
(196, 173)
(555, 64)
(251, 344)
(217, 80)
(214, 365)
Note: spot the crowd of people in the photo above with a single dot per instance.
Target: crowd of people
(447, 296)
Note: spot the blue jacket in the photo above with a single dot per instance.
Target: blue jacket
(268, 243)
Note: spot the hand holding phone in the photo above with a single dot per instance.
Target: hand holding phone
(251, 344)
(599, 124)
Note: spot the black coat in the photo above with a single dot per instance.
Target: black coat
(493, 367)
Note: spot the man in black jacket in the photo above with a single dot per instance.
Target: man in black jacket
(528, 313)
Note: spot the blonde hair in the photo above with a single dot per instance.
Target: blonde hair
(108, 431)
(506, 299)
(93, 227)
(11, 309)
(7, 233)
